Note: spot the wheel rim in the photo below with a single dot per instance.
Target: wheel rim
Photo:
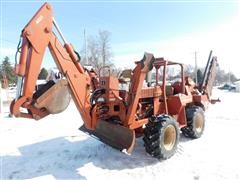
(198, 123)
(169, 137)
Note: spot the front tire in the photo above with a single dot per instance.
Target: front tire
(161, 137)
(195, 122)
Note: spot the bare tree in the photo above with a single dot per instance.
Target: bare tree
(104, 47)
(99, 51)
(93, 53)
(224, 77)
(189, 70)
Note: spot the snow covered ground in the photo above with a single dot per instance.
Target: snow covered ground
(54, 148)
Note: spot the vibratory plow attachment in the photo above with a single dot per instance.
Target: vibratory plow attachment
(115, 135)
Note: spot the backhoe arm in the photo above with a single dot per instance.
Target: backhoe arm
(36, 37)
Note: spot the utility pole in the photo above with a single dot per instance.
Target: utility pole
(195, 53)
(85, 46)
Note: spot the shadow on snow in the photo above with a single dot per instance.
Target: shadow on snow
(61, 158)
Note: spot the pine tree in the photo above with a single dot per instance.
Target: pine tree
(6, 69)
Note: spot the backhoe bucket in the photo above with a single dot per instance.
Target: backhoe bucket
(115, 135)
(55, 99)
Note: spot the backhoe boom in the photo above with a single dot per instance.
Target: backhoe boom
(36, 37)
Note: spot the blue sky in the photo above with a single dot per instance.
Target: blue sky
(135, 26)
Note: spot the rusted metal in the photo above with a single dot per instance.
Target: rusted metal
(114, 135)
(56, 99)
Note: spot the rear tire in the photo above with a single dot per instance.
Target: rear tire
(195, 122)
(161, 137)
